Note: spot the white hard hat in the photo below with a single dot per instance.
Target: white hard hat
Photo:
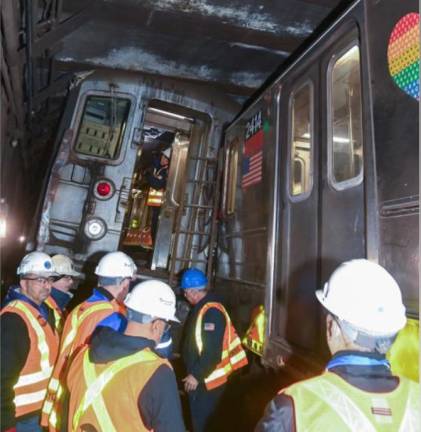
(64, 266)
(153, 298)
(38, 263)
(166, 152)
(116, 264)
(366, 296)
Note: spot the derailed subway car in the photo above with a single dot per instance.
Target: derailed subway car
(321, 168)
(97, 198)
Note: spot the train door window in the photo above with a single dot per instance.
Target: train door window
(301, 139)
(345, 139)
(231, 172)
(102, 127)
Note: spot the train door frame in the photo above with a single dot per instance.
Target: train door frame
(298, 216)
(345, 30)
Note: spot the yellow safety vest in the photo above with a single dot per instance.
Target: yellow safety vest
(404, 355)
(254, 338)
(327, 403)
(233, 356)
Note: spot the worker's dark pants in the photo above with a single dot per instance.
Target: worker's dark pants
(204, 406)
(154, 222)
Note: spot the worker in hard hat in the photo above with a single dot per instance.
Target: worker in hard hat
(211, 350)
(119, 382)
(357, 391)
(61, 290)
(157, 180)
(29, 344)
(104, 307)
(66, 281)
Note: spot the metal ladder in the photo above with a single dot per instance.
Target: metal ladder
(195, 205)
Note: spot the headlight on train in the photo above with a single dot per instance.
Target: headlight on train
(95, 228)
(104, 189)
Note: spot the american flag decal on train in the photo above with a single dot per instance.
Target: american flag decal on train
(252, 169)
(253, 152)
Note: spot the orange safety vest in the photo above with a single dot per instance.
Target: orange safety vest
(31, 386)
(329, 403)
(233, 356)
(58, 313)
(100, 402)
(77, 330)
(155, 197)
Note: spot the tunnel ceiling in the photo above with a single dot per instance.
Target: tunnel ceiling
(235, 44)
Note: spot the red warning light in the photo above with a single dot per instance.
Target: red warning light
(103, 188)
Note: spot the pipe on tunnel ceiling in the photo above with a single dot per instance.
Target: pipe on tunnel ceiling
(29, 65)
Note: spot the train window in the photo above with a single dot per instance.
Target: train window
(301, 138)
(345, 120)
(231, 176)
(102, 126)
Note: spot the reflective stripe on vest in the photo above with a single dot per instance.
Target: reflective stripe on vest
(232, 356)
(30, 388)
(78, 320)
(155, 198)
(96, 384)
(255, 336)
(58, 314)
(329, 403)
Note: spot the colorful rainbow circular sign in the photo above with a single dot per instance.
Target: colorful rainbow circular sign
(403, 54)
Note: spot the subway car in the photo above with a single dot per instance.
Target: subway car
(99, 196)
(320, 167)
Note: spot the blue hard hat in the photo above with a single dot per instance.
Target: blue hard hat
(193, 278)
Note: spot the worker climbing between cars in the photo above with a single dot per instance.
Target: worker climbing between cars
(63, 284)
(211, 350)
(29, 344)
(119, 382)
(157, 180)
(104, 307)
(358, 391)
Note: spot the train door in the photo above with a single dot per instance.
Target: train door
(322, 215)
(343, 215)
(156, 186)
(299, 128)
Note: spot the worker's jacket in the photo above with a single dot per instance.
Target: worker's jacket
(77, 330)
(31, 386)
(58, 313)
(255, 336)
(104, 396)
(232, 355)
(328, 403)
